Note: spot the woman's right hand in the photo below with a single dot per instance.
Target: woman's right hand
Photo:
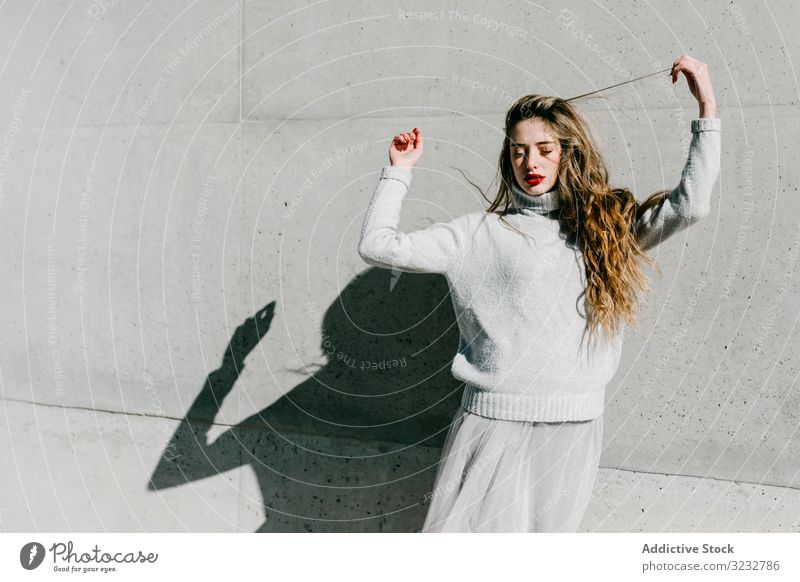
(406, 149)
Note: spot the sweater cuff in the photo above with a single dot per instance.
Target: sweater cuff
(706, 124)
(397, 173)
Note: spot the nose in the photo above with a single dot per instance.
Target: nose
(532, 159)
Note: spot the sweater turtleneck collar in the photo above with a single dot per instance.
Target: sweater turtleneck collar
(528, 204)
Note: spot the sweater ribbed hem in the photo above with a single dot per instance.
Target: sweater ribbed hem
(525, 407)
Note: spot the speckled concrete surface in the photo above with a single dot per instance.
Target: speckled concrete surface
(167, 175)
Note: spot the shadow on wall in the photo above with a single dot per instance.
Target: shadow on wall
(355, 446)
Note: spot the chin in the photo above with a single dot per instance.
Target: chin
(537, 190)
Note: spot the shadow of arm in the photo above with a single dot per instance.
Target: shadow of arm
(188, 455)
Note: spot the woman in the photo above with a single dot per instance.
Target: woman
(543, 283)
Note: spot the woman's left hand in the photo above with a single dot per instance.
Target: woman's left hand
(699, 80)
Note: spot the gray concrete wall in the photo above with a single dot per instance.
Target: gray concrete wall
(179, 180)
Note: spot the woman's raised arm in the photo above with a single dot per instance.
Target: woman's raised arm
(691, 199)
(382, 244)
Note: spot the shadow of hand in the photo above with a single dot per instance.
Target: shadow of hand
(247, 336)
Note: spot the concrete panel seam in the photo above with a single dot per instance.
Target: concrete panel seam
(706, 477)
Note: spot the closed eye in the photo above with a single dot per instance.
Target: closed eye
(544, 153)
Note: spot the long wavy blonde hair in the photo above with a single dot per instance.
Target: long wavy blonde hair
(599, 219)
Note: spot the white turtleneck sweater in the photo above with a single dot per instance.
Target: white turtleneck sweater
(523, 352)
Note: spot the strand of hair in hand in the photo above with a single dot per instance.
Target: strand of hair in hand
(618, 84)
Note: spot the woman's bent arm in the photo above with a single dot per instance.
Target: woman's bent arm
(429, 250)
(691, 199)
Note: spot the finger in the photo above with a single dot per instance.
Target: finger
(677, 69)
(691, 70)
(681, 61)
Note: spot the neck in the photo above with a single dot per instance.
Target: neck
(534, 204)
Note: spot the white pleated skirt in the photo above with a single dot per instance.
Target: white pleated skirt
(514, 476)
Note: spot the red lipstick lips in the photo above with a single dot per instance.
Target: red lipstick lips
(533, 179)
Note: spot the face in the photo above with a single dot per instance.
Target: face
(535, 155)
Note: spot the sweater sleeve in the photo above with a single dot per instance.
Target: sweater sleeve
(691, 199)
(429, 250)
